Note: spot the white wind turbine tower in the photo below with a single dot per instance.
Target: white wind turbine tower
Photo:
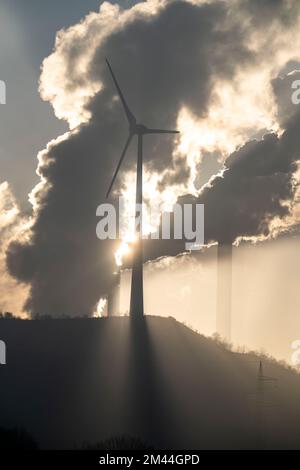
(137, 294)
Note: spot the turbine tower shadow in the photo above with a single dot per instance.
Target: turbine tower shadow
(152, 413)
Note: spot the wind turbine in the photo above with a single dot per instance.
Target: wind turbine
(137, 294)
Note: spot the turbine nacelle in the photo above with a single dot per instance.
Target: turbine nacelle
(141, 129)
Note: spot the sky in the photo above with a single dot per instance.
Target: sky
(220, 72)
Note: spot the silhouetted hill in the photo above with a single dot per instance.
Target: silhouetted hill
(16, 439)
(70, 382)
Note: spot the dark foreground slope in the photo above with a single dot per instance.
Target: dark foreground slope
(73, 381)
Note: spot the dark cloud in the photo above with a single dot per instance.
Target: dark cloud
(256, 186)
(283, 91)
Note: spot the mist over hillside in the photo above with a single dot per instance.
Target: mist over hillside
(85, 380)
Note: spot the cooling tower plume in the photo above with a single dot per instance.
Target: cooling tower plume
(224, 290)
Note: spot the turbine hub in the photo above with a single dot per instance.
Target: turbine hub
(139, 129)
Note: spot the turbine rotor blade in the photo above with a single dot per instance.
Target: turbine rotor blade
(129, 114)
(160, 131)
(119, 164)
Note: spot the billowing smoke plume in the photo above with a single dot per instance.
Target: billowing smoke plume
(255, 195)
(206, 66)
(12, 294)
